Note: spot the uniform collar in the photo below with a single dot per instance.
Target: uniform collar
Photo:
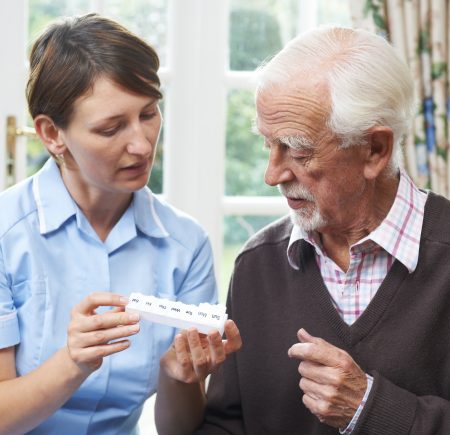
(55, 205)
(145, 214)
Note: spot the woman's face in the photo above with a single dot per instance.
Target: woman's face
(111, 139)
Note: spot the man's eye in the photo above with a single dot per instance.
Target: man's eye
(301, 158)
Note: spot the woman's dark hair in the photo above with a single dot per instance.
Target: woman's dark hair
(70, 55)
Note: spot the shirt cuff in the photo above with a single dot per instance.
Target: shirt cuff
(9, 330)
(349, 429)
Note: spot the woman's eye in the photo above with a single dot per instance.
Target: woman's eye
(147, 116)
(109, 131)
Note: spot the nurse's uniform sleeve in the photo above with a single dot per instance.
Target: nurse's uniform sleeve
(199, 284)
(9, 325)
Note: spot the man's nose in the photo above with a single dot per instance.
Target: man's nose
(278, 170)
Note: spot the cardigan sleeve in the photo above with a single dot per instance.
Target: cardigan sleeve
(393, 410)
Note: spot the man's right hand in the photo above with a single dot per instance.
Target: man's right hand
(193, 356)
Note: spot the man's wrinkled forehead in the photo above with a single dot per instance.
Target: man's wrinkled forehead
(290, 116)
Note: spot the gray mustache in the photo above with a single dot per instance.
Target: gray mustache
(296, 191)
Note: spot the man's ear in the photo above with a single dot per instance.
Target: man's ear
(50, 134)
(380, 141)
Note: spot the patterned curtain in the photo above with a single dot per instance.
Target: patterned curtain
(419, 29)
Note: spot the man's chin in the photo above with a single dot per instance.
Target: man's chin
(307, 223)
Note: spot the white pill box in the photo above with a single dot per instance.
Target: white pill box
(205, 317)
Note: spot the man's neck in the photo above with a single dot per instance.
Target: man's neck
(368, 215)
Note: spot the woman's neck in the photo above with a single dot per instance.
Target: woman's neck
(102, 209)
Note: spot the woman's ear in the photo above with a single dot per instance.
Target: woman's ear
(50, 134)
(381, 143)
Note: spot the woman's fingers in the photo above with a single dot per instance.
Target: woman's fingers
(92, 336)
(93, 355)
(106, 320)
(98, 299)
(103, 336)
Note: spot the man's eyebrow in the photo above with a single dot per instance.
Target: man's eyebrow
(296, 142)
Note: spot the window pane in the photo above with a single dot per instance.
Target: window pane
(260, 28)
(146, 18)
(246, 159)
(156, 177)
(42, 12)
(334, 12)
(37, 154)
(237, 230)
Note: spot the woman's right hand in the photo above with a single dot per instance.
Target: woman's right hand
(90, 334)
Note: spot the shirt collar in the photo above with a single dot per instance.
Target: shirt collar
(145, 214)
(399, 233)
(53, 201)
(55, 205)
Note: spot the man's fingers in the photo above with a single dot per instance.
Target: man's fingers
(233, 340)
(316, 350)
(217, 348)
(319, 373)
(312, 352)
(199, 355)
(182, 354)
(98, 299)
(305, 337)
(314, 389)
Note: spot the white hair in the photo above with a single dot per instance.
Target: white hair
(368, 82)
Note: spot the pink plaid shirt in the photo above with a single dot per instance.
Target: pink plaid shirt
(397, 237)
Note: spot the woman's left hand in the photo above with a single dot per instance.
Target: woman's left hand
(193, 356)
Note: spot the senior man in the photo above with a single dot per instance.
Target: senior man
(343, 308)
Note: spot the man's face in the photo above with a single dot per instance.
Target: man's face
(322, 183)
